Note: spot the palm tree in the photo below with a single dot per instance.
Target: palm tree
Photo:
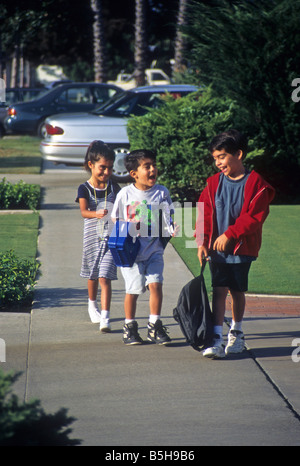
(179, 62)
(99, 42)
(140, 55)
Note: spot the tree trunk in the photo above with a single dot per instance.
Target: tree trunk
(14, 69)
(99, 42)
(140, 55)
(179, 62)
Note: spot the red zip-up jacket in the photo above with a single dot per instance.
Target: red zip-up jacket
(246, 233)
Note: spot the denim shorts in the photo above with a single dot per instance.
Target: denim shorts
(143, 273)
(232, 276)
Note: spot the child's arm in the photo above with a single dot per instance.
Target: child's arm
(86, 213)
(204, 220)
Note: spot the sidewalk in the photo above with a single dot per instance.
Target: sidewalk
(147, 395)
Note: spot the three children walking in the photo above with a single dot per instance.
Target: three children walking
(236, 203)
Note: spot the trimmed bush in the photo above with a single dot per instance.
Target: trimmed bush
(17, 280)
(19, 196)
(180, 132)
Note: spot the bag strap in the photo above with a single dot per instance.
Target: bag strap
(205, 260)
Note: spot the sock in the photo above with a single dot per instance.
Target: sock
(236, 325)
(153, 318)
(105, 316)
(218, 330)
(93, 305)
(128, 321)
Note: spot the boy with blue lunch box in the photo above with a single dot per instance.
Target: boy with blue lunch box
(147, 207)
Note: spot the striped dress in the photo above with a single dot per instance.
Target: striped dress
(97, 260)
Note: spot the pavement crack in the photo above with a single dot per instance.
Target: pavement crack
(274, 385)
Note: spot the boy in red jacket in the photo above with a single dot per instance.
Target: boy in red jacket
(236, 204)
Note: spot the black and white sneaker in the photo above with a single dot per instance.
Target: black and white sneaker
(216, 350)
(131, 335)
(157, 333)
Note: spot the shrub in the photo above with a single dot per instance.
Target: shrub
(17, 280)
(19, 196)
(180, 132)
(27, 424)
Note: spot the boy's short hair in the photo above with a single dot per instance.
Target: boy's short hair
(96, 151)
(231, 141)
(134, 158)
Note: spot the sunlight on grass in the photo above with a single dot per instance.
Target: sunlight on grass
(20, 154)
(19, 232)
(277, 269)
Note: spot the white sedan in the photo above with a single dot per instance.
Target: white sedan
(69, 135)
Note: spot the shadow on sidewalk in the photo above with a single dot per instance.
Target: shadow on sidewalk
(59, 297)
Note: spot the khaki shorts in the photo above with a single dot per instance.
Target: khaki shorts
(143, 273)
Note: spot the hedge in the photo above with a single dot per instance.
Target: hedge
(19, 196)
(180, 132)
(17, 280)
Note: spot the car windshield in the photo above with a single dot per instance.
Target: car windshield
(131, 103)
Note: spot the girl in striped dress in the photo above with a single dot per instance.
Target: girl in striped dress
(96, 198)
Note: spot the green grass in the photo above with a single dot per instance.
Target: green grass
(19, 232)
(277, 269)
(20, 155)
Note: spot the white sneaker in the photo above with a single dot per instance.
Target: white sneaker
(236, 342)
(105, 326)
(95, 315)
(216, 351)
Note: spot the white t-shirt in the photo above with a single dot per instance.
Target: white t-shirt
(145, 209)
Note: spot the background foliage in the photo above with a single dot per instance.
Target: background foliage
(180, 132)
(59, 32)
(249, 51)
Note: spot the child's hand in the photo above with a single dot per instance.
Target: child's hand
(176, 229)
(202, 254)
(101, 213)
(221, 243)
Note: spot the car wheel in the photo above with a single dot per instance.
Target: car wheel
(2, 131)
(41, 131)
(120, 172)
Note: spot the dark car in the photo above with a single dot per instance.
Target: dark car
(14, 95)
(29, 117)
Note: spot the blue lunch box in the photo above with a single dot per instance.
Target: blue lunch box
(123, 246)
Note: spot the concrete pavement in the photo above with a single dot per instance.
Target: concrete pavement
(147, 395)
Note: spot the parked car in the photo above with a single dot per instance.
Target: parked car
(154, 77)
(29, 117)
(68, 136)
(14, 95)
